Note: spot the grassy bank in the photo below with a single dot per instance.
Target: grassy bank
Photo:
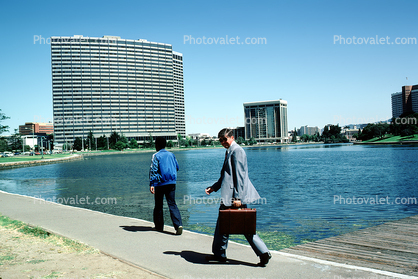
(32, 158)
(392, 139)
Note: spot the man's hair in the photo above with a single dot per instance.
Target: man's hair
(226, 132)
(160, 142)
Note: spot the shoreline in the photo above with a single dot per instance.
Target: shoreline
(81, 155)
(388, 142)
(19, 164)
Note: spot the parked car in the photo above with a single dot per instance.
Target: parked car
(37, 153)
(8, 154)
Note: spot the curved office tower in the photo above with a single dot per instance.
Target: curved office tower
(108, 84)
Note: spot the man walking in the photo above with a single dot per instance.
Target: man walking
(163, 176)
(236, 191)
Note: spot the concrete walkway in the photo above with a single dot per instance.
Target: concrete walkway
(171, 256)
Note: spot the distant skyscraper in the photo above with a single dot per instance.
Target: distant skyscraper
(305, 130)
(397, 104)
(414, 98)
(132, 87)
(266, 121)
(405, 101)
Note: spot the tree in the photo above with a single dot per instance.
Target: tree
(252, 141)
(149, 143)
(102, 142)
(90, 141)
(4, 146)
(332, 134)
(133, 143)
(170, 144)
(124, 140)
(2, 118)
(404, 125)
(113, 139)
(305, 138)
(78, 143)
(120, 145)
(240, 140)
(294, 138)
(15, 141)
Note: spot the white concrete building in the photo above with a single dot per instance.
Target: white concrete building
(109, 84)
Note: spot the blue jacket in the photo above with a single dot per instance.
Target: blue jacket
(163, 170)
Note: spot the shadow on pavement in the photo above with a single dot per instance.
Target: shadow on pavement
(200, 258)
(136, 228)
(142, 229)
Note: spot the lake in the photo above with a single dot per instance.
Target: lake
(309, 192)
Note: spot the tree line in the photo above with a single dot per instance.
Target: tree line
(405, 125)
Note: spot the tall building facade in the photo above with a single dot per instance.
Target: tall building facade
(266, 120)
(397, 107)
(405, 101)
(109, 84)
(305, 130)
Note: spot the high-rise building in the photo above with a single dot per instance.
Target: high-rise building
(405, 101)
(109, 84)
(414, 98)
(266, 120)
(397, 107)
(305, 130)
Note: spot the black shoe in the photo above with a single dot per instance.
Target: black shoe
(179, 230)
(214, 258)
(264, 259)
(158, 230)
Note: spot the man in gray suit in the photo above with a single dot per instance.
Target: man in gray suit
(236, 191)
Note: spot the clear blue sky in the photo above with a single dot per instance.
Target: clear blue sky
(324, 82)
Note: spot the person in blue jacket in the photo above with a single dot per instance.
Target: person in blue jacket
(162, 177)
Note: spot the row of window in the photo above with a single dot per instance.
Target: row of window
(94, 45)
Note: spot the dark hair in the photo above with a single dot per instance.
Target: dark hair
(160, 143)
(226, 132)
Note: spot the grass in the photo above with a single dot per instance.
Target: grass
(70, 245)
(32, 158)
(390, 138)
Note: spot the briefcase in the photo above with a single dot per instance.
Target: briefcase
(237, 221)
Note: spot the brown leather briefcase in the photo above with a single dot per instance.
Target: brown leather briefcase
(237, 221)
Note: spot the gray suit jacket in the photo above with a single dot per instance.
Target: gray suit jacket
(234, 182)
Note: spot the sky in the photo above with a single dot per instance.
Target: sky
(334, 62)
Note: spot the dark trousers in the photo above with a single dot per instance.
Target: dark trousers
(169, 192)
(220, 241)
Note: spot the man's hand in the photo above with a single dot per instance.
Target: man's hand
(237, 203)
(152, 189)
(208, 190)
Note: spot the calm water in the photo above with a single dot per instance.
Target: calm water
(311, 192)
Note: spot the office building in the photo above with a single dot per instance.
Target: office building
(405, 101)
(35, 128)
(109, 84)
(305, 130)
(266, 121)
(397, 107)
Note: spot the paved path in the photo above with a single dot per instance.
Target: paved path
(134, 241)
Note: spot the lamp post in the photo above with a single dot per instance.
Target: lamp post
(42, 147)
